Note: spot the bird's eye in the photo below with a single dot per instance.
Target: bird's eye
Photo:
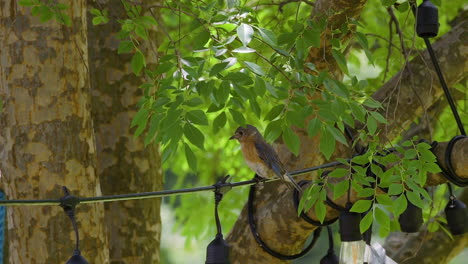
(241, 133)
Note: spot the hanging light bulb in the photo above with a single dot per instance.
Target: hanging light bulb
(457, 216)
(77, 258)
(68, 203)
(427, 21)
(331, 257)
(411, 219)
(217, 251)
(352, 246)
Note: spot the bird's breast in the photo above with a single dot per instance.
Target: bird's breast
(253, 160)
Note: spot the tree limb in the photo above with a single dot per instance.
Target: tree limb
(276, 216)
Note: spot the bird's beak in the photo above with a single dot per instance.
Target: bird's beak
(233, 137)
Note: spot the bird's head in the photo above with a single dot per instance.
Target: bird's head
(245, 133)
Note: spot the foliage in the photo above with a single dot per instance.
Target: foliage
(227, 63)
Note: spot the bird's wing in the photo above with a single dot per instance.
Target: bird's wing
(268, 155)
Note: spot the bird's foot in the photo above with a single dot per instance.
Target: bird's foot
(260, 183)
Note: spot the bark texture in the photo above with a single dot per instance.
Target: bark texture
(124, 164)
(46, 135)
(276, 216)
(426, 247)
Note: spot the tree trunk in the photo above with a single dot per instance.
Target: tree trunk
(276, 217)
(46, 135)
(124, 164)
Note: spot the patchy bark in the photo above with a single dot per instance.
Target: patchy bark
(426, 247)
(124, 164)
(46, 135)
(276, 216)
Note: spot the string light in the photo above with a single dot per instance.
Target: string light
(217, 251)
(68, 203)
(352, 246)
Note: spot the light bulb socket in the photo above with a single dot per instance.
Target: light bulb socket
(217, 251)
(457, 217)
(411, 219)
(427, 21)
(349, 226)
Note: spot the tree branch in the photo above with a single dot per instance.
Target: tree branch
(276, 215)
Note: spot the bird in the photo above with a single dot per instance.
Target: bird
(260, 156)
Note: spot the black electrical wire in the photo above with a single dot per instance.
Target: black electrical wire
(262, 244)
(164, 193)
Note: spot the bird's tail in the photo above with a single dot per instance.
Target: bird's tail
(290, 179)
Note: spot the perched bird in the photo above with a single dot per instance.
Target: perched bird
(260, 156)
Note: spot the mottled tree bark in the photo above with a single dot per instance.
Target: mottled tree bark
(425, 247)
(276, 216)
(46, 135)
(124, 164)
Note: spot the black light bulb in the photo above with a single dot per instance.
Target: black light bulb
(457, 217)
(217, 251)
(77, 258)
(427, 21)
(330, 258)
(411, 219)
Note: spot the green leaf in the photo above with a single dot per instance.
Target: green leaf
(361, 206)
(337, 134)
(338, 173)
(268, 36)
(379, 117)
(243, 50)
(218, 68)
(384, 199)
(341, 60)
(358, 112)
(366, 222)
(219, 122)
(273, 130)
(366, 192)
(312, 38)
(395, 189)
(197, 117)
(399, 205)
(369, 102)
(255, 107)
(320, 211)
(27, 2)
(137, 63)
(314, 127)
(340, 189)
(125, 47)
(237, 116)
(371, 125)
(141, 32)
(291, 139)
(194, 135)
(327, 143)
(153, 128)
(245, 33)
(274, 112)
(415, 199)
(222, 93)
(191, 158)
(383, 219)
(140, 116)
(255, 68)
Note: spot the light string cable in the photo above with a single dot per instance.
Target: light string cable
(163, 193)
